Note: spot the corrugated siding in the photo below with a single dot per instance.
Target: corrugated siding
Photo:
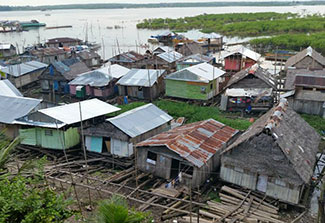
(183, 89)
(28, 136)
(242, 179)
(283, 193)
(71, 137)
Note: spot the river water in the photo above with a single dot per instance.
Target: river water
(93, 24)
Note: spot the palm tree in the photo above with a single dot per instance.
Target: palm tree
(6, 147)
(116, 210)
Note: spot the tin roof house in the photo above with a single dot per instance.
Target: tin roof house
(119, 134)
(198, 82)
(7, 50)
(275, 156)
(23, 74)
(189, 153)
(63, 42)
(49, 54)
(90, 58)
(14, 105)
(306, 59)
(146, 84)
(127, 59)
(306, 91)
(193, 60)
(240, 58)
(251, 89)
(57, 75)
(98, 83)
(58, 127)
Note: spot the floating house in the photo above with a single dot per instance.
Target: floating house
(13, 105)
(144, 84)
(252, 89)
(7, 50)
(98, 83)
(127, 59)
(23, 74)
(49, 55)
(240, 58)
(120, 134)
(275, 156)
(189, 153)
(193, 60)
(165, 37)
(63, 42)
(198, 82)
(58, 127)
(306, 59)
(57, 75)
(211, 42)
(306, 91)
(90, 58)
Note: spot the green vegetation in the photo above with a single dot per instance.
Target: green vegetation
(242, 24)
(316, 122)
(292, 42)
(160, 5)
(117, 210)
(193, 113)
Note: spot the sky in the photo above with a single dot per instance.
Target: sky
(59, 2)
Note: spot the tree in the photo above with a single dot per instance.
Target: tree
(116, 210)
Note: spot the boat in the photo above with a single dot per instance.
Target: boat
(58, 27)
(32, 23)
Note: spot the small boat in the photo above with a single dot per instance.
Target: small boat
(58, 27)
(32, 23)
(109, 27)
(47, 14)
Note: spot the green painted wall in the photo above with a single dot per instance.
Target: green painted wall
(50, 138)
(71, 137)
(181, 66)
(187, 90)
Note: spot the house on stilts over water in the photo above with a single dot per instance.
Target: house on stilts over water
(275, 156)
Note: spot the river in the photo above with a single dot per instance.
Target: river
(113, 40)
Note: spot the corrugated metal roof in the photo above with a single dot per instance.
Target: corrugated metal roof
(70, 114)
(23, 68)
(196, 142)
(5, 46)
(163, 48)
(244, 51)
(306, 80)
(196, 58)
(100, 77)
(48, 51)
(211, 36)
(8, 89)
(202, 72)
(248, 92)
(141, 77)
(12, 108)
(170, 56)
(140, 120)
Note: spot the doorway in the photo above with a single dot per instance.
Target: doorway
(174, 169)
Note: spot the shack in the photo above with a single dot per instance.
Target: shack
(145, 84)
(63, 42)
(187, 49)
(252, 89)
(193, 60)
(118, 135)
(98, 83)
(90, 58)
(198, 82)
(168, 59)
(306, 91)
(275, 156)
(162, 49)
(58, 127)
(240, 58)
(48, 55)
(13, 105)
(306, 59)
(211, 42)
(188, 153)
(23, 74)
(55, 78)
(7, 50)
(127, 59)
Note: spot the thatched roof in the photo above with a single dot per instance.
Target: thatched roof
(255, 70)
(305, 53)
(294, 136)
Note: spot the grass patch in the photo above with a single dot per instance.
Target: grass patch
(213, 195)
(316, 122)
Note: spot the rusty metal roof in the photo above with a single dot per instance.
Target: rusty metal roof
(196, 142)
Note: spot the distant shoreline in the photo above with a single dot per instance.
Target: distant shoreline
(160, 5)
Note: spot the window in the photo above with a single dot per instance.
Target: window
(211, 86)
(151, 158)
(139, 88)
(48, 132)
(186, 169)
(203, 90)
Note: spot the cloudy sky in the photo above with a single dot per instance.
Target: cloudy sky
(56, 2)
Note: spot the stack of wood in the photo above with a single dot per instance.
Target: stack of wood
(236, 206)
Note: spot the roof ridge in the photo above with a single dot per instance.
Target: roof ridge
(276, 116)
